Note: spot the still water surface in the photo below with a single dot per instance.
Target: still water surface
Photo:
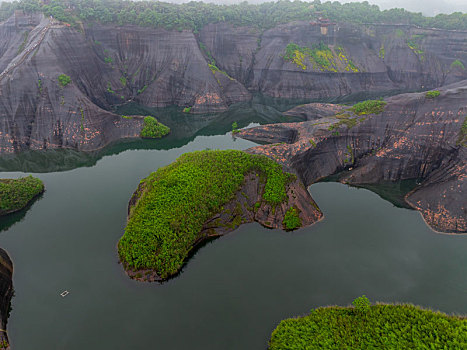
(235, 290)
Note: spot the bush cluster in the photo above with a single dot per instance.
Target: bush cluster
(15, 194)
(175, 202)
(432, 94)
(457, 65)
(152, 129)
(291, 219)
(379, 326)
(64, 80)
(369, 107)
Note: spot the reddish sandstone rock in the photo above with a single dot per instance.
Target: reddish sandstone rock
(414, 138)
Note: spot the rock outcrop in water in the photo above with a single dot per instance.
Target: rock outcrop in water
(242, 210)
(111, 65)
(6, 293)
(203, 195)
(414, 138)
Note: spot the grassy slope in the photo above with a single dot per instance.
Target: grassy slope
(380, 327)
(178, 199)
(15, 194)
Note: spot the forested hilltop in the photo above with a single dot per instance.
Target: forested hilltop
(195, 15)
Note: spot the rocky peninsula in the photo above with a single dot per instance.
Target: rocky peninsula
(204, 195)
(415, 136)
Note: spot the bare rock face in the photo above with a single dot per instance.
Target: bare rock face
(414, 138)
(158, 68)
(312, 111)
(108, 66)
(244, 208)
(36, 112)
(6, 293)
(384, 58)
(234, 48)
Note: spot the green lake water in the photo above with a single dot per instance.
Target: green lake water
(235, 289)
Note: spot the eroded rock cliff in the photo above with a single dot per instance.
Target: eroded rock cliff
(367, 58)
(112, 65)
(414, 138)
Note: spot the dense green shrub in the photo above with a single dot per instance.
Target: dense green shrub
(195, 15)
(186, 110)
(175, 202)
(457, 65)
(432, 94)
(291, 219)
(381, 326)
(64, 80)
(362, 304)
(15, 194)
(152, 129)
(369, 107)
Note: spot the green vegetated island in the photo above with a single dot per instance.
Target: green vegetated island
(16, 194)
(365, 326)
(153, 129)
(171, 206)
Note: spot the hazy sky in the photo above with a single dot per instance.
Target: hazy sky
(427, 7)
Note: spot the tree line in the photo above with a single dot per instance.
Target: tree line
(195, 15)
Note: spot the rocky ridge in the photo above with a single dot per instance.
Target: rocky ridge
(112, 65)
(414, 138)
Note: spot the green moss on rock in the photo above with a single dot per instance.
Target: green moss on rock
(175, 201)
(432, 94)
(15, 194)
(369, 107)
(319, 57)
(457, 65)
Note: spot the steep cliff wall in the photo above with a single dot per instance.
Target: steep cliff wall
(157, 68)
(414, 138)
(36, 112)
(366, 58)
(112, 65)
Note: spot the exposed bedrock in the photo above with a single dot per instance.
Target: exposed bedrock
(383, 57)
(243, 207)
(111, 65)
(414, 138)
(6, 293)
(36, 112)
